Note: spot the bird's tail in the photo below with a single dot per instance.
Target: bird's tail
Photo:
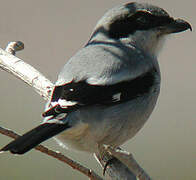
(34, 137)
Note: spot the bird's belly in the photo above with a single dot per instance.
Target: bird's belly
(78, 137)
(111, 126)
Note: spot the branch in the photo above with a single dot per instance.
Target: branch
(24, 71)
(123, 167)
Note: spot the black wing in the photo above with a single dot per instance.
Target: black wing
(86, 94)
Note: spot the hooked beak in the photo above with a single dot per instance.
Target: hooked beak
(176, 26)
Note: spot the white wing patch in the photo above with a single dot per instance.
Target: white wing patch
(63, 103)
(117, 96)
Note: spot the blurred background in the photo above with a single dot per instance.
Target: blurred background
(52, 32)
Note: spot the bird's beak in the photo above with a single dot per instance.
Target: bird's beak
(176, 26)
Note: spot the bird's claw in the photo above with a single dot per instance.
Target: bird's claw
(108, 163)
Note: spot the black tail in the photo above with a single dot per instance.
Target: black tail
(34, 137)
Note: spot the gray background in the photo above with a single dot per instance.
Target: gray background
(52, 32)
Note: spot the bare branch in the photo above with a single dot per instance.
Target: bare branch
(123, 168)
(13, 47)
(25, 72)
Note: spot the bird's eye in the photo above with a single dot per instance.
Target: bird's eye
(142, 17)
(142, 20)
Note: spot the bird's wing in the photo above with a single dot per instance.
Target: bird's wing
(104, 80)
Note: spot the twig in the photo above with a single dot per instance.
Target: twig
(13, 47)
(24, 71)
(121, 169)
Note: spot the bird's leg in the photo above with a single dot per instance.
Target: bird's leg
(108, 163)
(106, 156)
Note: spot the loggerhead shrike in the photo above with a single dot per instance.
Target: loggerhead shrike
(106, 92)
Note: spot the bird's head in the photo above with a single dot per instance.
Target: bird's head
(141, 24)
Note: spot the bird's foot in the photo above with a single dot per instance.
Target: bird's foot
(108, 163)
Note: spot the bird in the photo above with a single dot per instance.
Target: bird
(107, 91)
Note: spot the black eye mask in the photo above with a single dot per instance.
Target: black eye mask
(141, 20)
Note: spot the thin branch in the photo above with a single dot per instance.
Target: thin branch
(13, 47)
(24, 71)
(122, 169)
